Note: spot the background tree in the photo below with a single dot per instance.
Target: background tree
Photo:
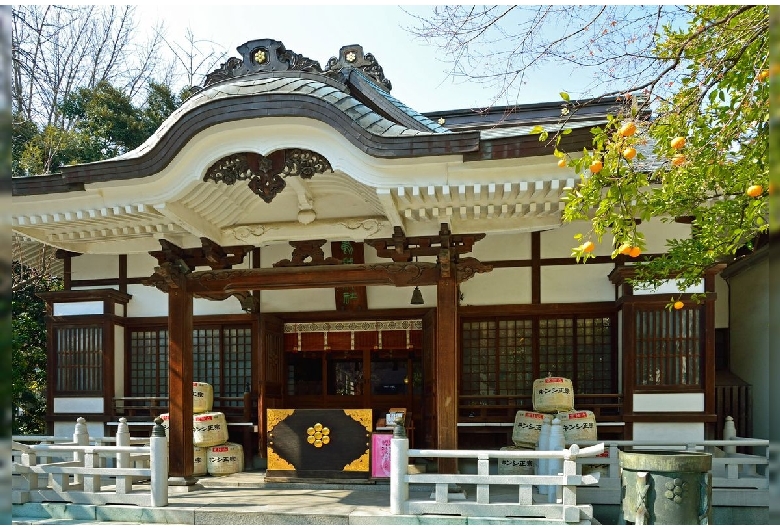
(697, 73)
(85, 85)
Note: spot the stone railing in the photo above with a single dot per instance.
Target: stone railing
(75, 471)
(559, 503)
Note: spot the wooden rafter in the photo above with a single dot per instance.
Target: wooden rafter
(210, 254)
(400, 248)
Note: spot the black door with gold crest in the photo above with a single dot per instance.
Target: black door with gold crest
(319, 443)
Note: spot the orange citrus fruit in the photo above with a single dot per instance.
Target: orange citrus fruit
(627, 129)
(755, 190)
(624, 249)
(762, 75)
(634, 252)
(562, 163)
(679, 304)
(678, 142)
(596, 166)
(678, 160)
(588, 246)
(629, 153)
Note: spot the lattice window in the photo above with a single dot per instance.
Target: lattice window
(236, 361)
(205, 357)
(668, 347)
(149, 363)
(497, 357)
(504, 356)
(556, 347)
(596, 370)
(221, 356)
(79, 353)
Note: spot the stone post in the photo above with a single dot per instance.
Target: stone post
(399, 464)
(123, 483)
(729, 433)
(158, 444)
(80, 437)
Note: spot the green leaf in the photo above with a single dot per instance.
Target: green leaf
(565, 96)
(537, 129)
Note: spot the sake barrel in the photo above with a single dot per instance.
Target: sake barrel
(202, 397)
(515, 466)
(200, 467)
(527, 427)
(601, 468)
(225, 459)
(166, 422)
(578, 425)
(209, 429)
(553, 394)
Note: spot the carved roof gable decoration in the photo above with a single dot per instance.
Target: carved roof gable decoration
(268, 55)
(266, 174)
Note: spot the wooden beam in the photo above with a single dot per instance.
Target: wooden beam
(180, 374)
(319, 276)
(446, 366)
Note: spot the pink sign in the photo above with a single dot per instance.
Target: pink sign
(380, 455)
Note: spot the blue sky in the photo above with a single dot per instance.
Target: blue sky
(418, 73)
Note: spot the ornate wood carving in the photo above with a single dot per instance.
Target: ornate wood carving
(232, 281)
(211, 254)
(468, 267)
(250, 302)
(261, 55)
(169, 275)
(266, 174)
(352, 56)
(268, 55)
(350, 298)
(402, 248)
(303, 250)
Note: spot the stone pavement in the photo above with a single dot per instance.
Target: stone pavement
(245, 498)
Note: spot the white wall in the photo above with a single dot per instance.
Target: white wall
(577, 283)
(78, 405)
(678, 432)
(94, 266)
(499, 286)
(749, 335)
(669, 402)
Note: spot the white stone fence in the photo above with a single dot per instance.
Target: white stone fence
(737, 479)
(75, 471)
(559, 503)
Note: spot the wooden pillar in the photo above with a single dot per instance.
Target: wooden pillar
(180, 374)
(446, 365)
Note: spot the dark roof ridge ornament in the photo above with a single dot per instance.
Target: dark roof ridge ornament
(352, 56)
(269, 55)
(262, 55)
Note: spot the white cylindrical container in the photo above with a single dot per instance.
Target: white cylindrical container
(202, 397)
(225, 459)
(543, 445)
(209, 429)
(555, 465)
(578, 426)
(553, 394)
(515, 466)
(527, 427)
